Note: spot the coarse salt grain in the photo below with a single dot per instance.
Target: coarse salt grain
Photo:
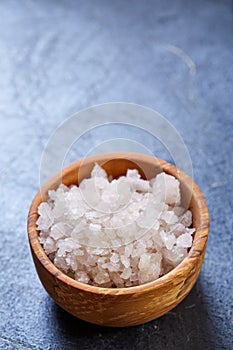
(116, 233)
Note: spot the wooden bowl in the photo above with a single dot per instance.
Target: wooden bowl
(122, 306)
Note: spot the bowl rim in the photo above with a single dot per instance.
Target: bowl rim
(198, 246)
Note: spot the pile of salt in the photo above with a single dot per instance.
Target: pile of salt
(118, 233)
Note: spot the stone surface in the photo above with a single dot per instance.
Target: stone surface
(59, 57)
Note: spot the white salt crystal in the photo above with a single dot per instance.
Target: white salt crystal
(125, 261)
(156, 257)
(60, 263)
(116, 233)
(186, 218)
(68, 244)
(169, 239)
(46, 218)
(140, 185)
(124, 192)
(136, 182)
(126, 273)
(91, 260)
(169, 217)
(97, 251)
(175, 255)
(59, 209)
(89, 192)
(132, 174)
(102, 277)
(178, 229)
(58, 231)
(128, 250)
(117, 280)
(140, 248)
(184, 240)
(115, 243)
(102, 260)
(79, 252)
(148, 219)
(97, 171)
(110, 194)
(43, 236)
(153, 269)
(52, 195)
(111, 267)
(73, 262)
(144, 262)
(95, 227)
(114, 258)
(77, 213)
(82, 277)
(116, 221)
(49, 245)
(167, 188)
(190, 230)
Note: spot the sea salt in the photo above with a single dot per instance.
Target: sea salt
(116, 232)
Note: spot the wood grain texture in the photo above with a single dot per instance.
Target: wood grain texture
(125, 306)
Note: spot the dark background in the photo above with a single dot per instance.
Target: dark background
(57, 57)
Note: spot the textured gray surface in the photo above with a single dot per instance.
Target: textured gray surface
(59, 57)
